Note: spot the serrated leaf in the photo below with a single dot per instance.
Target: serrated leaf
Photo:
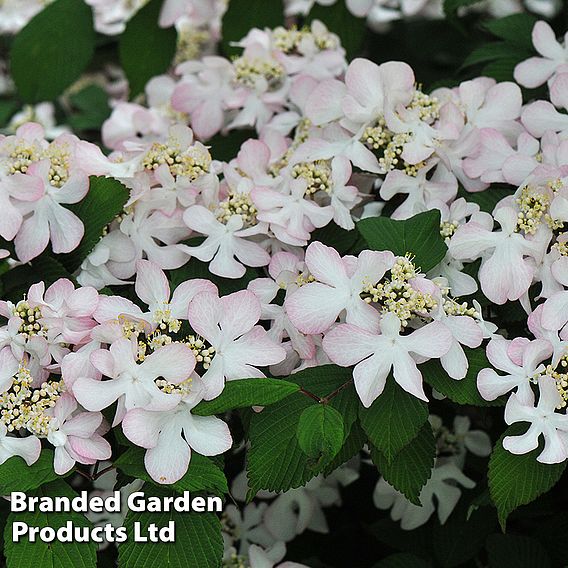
(272, 432)
(145, 49)
(243, 15)
(17, 475)
(203, 474)
(198, 541)
(352, 445)
(105, 200)
(393, 420)
(339, 20)
(25, 554)
(412, 468)
(516, 480)
(320, 432)
(514, 551)
(245, 393)
(419, 236)
(52, 51)
(465, 390)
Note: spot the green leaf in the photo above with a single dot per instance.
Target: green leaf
(243, 15)
(489, 198)
(513, 551)
(394, 419)
(412, 468)
(334, 236)
(18, 280)
(352, 445)
(402, 560)
(272, 432)
(25, 554)
(245, 393)
(52, 51)
(339, 20)
(91, 108)
(502, 69)
(419, 236)
(145, 49)
(203, 474)
(465, 390)
(516, 480)
(194, 268)
(515, 29)
(490, 52)
(105, 200)
(17, 475)
(198, 541)
(225, 147)
(320, 433)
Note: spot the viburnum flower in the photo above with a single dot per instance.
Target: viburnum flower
(76, 436)
(153, 288)
(505, 273)
(171, 435)
(133, 384)
(228, 324)
(28, 448)
(444, 485)
(315, 306)
(48, 219)
(374, 354)
(543, 421)
(224, 242)
(66, 311)
(290, 215)
(537, 70)
(527, 366)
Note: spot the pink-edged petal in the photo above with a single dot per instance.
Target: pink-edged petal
(142, 427)
(152, 286)
(174, 362)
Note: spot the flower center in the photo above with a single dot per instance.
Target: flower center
(23, 406)
(317, 174)
(237, 204)
(31, 320)
(249, 70)
(192, 163)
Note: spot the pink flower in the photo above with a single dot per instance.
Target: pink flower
(133, 384)
(537, 70)
(170, 436)
(76, 436)
(527, 365)
(48, 219)
(314, 307)
(543, 421)
(228, 325)
(224, 242)
(290, 215)
(153, 288)
(506, 273)
(374, 354)
(67, 312)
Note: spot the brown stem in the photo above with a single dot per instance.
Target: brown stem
(333, 394)
(310, 394)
